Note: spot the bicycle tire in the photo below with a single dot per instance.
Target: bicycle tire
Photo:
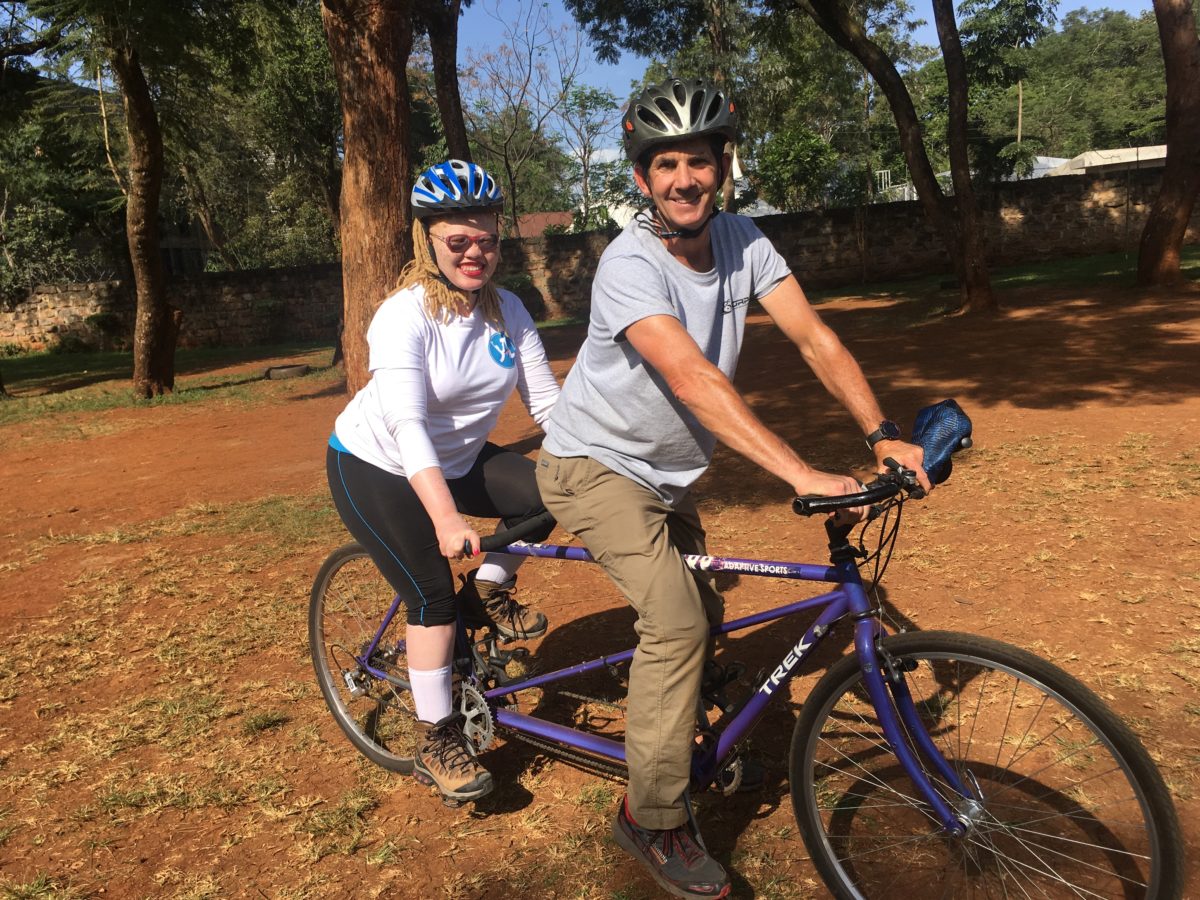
(349, 598)
(1072, 803)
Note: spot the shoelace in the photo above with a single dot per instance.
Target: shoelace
(679, 839)
(449, 746)
(504, 606)
(670, 841)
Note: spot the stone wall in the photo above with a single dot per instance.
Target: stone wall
(1025, 221)
(219, 309)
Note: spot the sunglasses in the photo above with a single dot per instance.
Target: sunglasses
(460, 243)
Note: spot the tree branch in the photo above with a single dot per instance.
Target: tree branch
(112, 165)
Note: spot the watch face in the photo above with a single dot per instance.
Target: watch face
(889, 430)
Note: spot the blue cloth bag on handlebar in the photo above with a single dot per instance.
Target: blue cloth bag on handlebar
(941, 430)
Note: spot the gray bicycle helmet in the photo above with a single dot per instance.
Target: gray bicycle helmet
(677, 108)
(452, 186)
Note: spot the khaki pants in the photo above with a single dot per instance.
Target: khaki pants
(639, 540)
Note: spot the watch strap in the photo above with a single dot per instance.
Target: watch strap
(887, 431)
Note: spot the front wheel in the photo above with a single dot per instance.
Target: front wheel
(368, 696)
(1061, 799)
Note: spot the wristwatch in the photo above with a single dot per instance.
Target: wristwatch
(887, 431)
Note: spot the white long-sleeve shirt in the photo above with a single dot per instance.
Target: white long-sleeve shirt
(436, 390)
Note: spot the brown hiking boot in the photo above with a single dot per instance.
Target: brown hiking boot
(486, 603)
(444, 761)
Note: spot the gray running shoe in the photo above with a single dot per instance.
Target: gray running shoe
(679, 864)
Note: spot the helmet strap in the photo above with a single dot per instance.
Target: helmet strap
(655, 223)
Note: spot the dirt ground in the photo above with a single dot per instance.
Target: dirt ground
(161, 733)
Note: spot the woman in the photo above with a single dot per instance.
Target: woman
(409, 455)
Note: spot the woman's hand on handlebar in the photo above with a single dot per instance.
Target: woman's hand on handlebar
(455, 537)
(909, 456)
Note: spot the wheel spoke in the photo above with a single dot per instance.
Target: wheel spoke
(1065, 802)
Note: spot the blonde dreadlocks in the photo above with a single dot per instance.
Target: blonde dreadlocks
(441, 297)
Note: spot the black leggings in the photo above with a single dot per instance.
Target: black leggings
(385, 515)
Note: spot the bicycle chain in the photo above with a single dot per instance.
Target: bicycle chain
(591, 763)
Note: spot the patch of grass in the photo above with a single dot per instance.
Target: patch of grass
(43, 887)
(264, 721)
(560, 323)
(341, 828)
(50, 372)
(932, 292)
(599, 798)
(278, 521)
(49, 384)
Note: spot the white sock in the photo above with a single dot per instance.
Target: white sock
(431, 693)
(498, 567)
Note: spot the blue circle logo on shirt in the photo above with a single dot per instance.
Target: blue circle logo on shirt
(503, 350)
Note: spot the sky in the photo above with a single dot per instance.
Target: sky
(479, 31)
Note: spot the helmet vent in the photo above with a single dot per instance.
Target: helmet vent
(715, 104)
(667, 117)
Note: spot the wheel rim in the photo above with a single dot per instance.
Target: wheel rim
(1058, 812)
(377, 713)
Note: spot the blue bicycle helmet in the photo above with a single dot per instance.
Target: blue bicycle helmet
(452, 186)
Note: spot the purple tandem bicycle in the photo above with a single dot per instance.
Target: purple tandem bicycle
(939, 762)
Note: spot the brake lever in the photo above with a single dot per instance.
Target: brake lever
(907, 478)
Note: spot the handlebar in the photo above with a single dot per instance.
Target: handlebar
(502, 539)
(880, 489)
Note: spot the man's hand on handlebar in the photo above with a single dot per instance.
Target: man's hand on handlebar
(909, 456)
(825, 484)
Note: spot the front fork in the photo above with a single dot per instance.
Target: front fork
(887, 687)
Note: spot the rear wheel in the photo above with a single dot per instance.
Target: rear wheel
(1062, 800)
(374, 709)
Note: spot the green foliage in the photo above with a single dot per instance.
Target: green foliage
(37, 248)
(588, 118)
(794, 169)
(266, 169)
(1095, 84)
(543, 180)
(57, 202)
(644, 27)
(994, 32)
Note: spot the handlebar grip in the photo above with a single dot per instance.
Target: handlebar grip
(876, 491)
(502, 539)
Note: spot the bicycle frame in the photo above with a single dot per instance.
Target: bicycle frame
(848, 599)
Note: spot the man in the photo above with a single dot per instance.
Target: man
(637, 422)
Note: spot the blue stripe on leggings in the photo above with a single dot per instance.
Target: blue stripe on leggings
(346, 490)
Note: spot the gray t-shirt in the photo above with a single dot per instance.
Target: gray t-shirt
(619, 411)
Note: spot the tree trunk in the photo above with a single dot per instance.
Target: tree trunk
(155, 326)
(720, 48)
(441, 20)
(204, 212)
(370, 42)
(331, 191)
(975, 287)
(1167, 224)
(834, 19)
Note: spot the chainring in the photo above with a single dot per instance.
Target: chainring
(478, 725)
